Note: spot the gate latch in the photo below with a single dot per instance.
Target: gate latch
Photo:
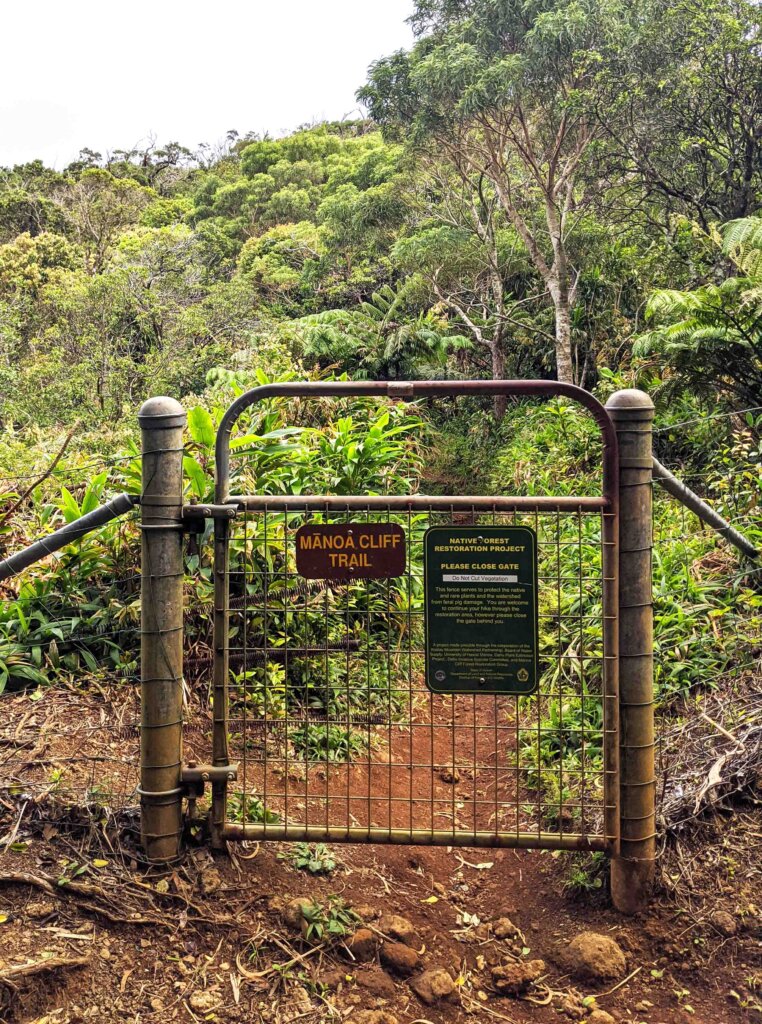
(194, 776)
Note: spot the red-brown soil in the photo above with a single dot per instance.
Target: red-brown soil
(201, 942)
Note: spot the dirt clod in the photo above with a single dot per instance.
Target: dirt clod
(399, 958)
(571, 1006)
(333, 979)
(601, 1017)
(362, 945)
(434, 986)
(366, 912)
(377, 982)
(40, 909)
(400, 929)
(724, 923)
(204, 1002)
(211, 881)
(504, 928)
(514, 978)
(592, 957)
(292, 913)
(373, 1017)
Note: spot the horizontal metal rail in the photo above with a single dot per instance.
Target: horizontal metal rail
(66, 535)
(412, 502)
(699, 507)
(415, 837)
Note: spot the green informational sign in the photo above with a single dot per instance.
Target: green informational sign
(481, 609)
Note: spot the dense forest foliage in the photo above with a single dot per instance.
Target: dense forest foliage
(541, 189)
(553, 188)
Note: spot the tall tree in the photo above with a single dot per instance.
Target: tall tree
(685, 124)
(507, 92)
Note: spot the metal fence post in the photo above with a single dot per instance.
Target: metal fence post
(633, 866)
(161, 609)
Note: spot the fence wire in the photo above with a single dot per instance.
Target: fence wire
(337, 733)
(69, 731)
(708, 631)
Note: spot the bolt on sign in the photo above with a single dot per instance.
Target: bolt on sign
(370, 551)
(480, 588)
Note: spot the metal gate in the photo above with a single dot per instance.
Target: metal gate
(324, 727)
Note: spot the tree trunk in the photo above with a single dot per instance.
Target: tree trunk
(564, 364)
(499, 402)
(558, 286)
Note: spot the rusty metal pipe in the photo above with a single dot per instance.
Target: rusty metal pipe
(414, 837)
(66, 535)
(409, 391)
(161, 643)
(705, 512)
(412, 502)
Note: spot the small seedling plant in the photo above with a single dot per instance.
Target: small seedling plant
(316, 858)
(326, 922)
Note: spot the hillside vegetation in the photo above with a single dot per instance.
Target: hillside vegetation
(430, 242)
(555, 189)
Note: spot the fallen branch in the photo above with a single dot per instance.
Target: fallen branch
(10, 975)
(20, 501)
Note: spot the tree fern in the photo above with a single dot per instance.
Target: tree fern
(711, 337)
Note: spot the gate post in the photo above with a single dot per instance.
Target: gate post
(633, 866)
(161, 615)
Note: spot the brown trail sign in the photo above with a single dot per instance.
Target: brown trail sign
(343, 551)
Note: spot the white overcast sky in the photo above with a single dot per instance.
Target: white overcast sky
(109, 75)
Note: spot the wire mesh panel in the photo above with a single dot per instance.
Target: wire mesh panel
(320, 691)
(337, 734)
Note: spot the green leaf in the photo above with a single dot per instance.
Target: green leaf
(199, 480)
(69, 506)
(201, 427)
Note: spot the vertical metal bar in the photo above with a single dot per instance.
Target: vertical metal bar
(161, 643)
(221, 676)
(632, 869)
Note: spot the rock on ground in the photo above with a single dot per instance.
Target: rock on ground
(504, 928)
(362, 945)
(211, 881)
(724, 922)
(366, 912)
(203, 1001)
(373, 1017)
(592, 957)
(399, 958)
(400, 929)
(433, 986)
(377, 982)
(514, 978)
(601, 1017)
(292, 912)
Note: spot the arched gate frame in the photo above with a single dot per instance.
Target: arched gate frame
(472, 769)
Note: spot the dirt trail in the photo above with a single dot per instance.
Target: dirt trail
(454, 764)
(213, 923)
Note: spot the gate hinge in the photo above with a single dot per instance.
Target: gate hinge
(195, 516)
(194, 776)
